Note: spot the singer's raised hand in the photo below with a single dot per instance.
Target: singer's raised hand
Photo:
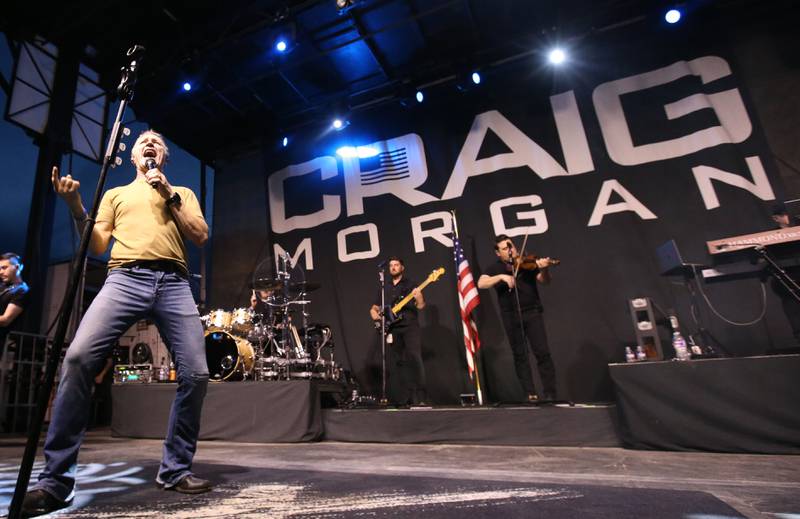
(66, 187)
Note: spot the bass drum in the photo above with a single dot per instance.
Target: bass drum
(229, 357)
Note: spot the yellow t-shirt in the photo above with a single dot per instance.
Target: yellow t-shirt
(142, 225)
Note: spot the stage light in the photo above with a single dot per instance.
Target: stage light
(362, 152)
(420, 96)
(345, 5)
(281, 45)
(476, 78)
(187, 86)
(340, 123)
(557, 56)
(285, 141)
(673, 16)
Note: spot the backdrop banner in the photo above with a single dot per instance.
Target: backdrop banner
(599, 164)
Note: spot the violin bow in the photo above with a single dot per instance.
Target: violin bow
(521, 253)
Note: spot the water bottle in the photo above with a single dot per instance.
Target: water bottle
(629, 355)
(640, 354)
(679, 345)
(163, 371)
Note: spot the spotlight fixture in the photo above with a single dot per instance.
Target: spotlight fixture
(281, 45)
(672, 16)
(339, 123)
(285, 141)
(187, 87)
(476, 78)
(557, 56)
(345, 5)
(420, 96)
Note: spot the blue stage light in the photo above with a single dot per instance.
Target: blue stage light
(420, 96)
(476, 78)
(285, 141)
(557, 56)
(187, 86)
(281, 46)
(673, 16)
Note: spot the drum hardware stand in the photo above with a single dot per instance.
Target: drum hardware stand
(125, 93)
(285, 276)
(382, 282)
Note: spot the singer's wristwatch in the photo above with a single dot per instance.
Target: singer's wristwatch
(175, 199)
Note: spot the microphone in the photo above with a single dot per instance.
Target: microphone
(151, 164)
(382, 264)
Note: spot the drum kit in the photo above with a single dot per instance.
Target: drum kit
(273, 340)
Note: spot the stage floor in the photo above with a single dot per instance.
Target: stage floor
(251, 480)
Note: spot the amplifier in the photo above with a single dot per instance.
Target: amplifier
(133, 373)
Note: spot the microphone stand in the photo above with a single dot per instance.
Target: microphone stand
(382, 283)
(514, 271)
(779, 273)
(125, 93)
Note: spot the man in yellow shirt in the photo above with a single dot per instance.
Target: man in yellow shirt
(148, 277)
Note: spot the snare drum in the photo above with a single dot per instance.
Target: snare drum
(229, 357)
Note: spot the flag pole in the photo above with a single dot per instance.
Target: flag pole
(474, 357)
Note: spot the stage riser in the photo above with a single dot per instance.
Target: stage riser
(529, 426)
(257, 412)
(749, 405)
(290, 411)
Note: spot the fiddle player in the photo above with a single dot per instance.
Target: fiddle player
(521, 312)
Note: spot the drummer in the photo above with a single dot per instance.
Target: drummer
(258, 301)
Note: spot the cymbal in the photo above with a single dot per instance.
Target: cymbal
(267, 284)
(304, 286)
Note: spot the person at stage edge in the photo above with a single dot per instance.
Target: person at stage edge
(500, 276)
(403, 344)
(13, 294)
(147, 277)
(791, 307)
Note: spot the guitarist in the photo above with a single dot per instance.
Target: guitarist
(519, 298)
(404, 347)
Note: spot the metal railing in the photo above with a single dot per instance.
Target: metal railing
(21, 369)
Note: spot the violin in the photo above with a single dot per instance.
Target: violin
(528, 262)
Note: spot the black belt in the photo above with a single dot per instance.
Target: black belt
(159, 266)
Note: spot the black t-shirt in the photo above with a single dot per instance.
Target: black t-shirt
(16, 294)
(526, 286)
(395, 292)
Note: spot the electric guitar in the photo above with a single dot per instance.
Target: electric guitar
(392, 312)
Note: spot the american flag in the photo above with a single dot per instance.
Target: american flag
(468, 300)
(385, 166)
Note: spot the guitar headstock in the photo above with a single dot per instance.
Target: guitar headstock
(436, 274)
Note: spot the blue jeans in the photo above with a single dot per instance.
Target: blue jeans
(128, 295)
